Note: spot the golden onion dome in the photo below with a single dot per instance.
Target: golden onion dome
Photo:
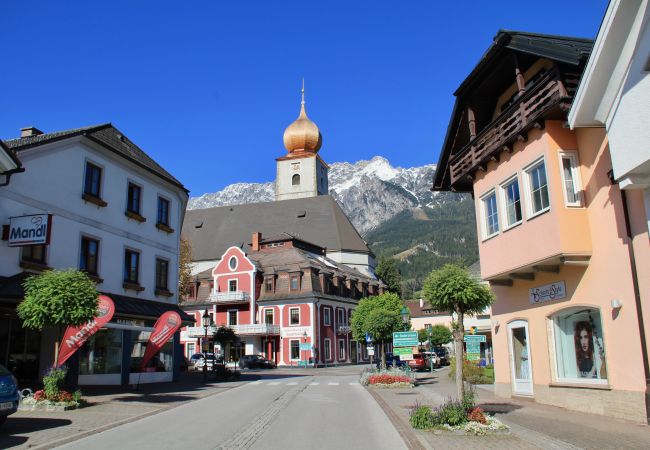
(302, 135)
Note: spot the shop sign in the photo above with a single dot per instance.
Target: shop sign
(295, 332)
(166, 325)
(29, 230)
(546, 293)
(75, 337)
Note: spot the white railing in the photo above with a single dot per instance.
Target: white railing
(257, 328)
(198, 332)
(230, 297)
(343, 329)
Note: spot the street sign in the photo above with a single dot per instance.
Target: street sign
(402, 351)
(473, 351)
(368, 338)
(305, 346)
(407, 357)
(474, 338)
(405, 339)
(371, 351)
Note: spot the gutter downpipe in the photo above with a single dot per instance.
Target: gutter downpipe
(8, 175)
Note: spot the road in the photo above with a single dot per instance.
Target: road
(283, 410)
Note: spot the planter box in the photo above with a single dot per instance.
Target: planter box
(42, 406)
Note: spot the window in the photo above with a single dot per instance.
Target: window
(295, 180)
(327, 320)
(88, 260)
(268, 316)
(293, 283)
(102, 353)
(268, 285)
(537, 188)
(33, 254)
(511, 202)
(162, 270)
(580, 346)
(341, 349)
(490, 215)
(131, 266)
(570, 179)
(232, 263)
(294, 316)
(133, 198)
(232, 285)
(295, 348)
(163, 211)
(328, 349)
(93, 180)
(340, 317)
(232, 317)
(189, 349)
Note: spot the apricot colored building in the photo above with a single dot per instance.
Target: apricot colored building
(555, 233)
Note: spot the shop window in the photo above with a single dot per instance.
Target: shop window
(163, 361)
(328, 350)
(537, 188)
(102, 353)
(511, 202)
(131, 266)
(570, 179)
(490, 215)
(295, 348)
(34, 254)
(294, 316)
(163, 211)
(580, 346)
(88, 260)
(133, 198)
(327, 320)
(162, 270)
(93, 180)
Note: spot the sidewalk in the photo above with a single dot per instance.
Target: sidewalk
(531, 425)
(109, 407)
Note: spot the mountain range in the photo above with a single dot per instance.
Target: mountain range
(394, 210)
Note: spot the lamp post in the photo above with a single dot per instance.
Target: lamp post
(304, 337)
(207, 322)
(405, 317)
(430, 349)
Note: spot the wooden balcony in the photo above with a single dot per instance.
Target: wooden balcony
(553, 91)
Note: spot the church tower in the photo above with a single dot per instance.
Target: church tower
(301, 173)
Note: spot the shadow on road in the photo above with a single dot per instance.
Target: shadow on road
(499, 408)
(15, 426)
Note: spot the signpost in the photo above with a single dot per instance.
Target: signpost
(473, 346)
(398, 351)
(405, 339)
(474, 338)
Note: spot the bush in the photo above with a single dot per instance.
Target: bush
(468, 400)
(479, 379)
(421, 418)
(391, 376)
(451, 413)
(53, 382)
(472, 373)
(477, 415)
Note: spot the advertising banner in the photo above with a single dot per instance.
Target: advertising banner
(29, 230)
(163, 330)
(75, 337)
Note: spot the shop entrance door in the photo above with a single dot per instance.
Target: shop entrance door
(520, 360)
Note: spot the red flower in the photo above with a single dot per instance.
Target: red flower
(477, 415)
(39, 395)
(65, 396)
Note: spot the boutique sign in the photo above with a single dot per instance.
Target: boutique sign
(546, 293)
(29, 230)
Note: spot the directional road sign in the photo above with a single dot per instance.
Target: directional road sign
(474, 338)
(405, 339)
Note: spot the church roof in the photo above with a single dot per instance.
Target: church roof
(319, 220)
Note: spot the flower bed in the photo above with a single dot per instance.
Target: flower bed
(387, 378)
(52, 397)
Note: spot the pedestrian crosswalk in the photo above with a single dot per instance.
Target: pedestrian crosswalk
(295, 383)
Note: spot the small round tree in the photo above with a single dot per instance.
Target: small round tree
(437, 335)
(453, 289)
(58, 298)
(379, 316)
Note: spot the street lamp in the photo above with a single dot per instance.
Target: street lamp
(430, 349)
(207, 322)
(304, 337)
(405, 317)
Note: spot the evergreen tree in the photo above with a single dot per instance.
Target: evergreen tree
(388, 272)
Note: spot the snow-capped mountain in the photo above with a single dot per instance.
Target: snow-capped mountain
(370, 192)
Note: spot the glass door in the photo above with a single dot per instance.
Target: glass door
(520, 361)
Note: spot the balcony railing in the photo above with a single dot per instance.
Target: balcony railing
(230, 297)
(527, 112)
(256, 329)
(343, 329)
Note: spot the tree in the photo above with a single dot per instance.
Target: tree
(224, 336)
(388, 272)
(58, 298)
(440, 335)
(379, 316)
(453, 289)
(184, 267)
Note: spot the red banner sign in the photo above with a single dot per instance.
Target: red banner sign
(75, 337)
(163, 330)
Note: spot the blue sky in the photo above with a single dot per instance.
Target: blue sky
(208, 87)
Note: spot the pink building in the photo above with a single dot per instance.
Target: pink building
(555, 234)
(285, 299)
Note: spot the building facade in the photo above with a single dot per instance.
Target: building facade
(285, 299)
(551, 227)
(112, 212)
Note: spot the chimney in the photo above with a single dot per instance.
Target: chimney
(257, 237)
(421, 303)
(29, 131)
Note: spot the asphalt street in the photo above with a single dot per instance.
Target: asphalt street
(283, 410)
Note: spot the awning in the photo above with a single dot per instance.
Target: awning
(145, 309)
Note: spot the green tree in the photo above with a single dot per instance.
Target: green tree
(388, 272)
(440, 335)
(58, 298)
(453, 289)
(184, 267)
(379, 316)
(224, 336)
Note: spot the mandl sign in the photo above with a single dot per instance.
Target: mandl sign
(75, 337)
(163, 330)
(29, 230)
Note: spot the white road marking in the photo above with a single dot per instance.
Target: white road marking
(314, 383)
(353, 383)
(332, 383)
(274, 383)
(291, 383)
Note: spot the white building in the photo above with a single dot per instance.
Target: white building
(114, 213)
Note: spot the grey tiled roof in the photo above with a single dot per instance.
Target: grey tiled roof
(105, 135)
(318, 220)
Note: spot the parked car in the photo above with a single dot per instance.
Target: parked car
(422, 361)
(9, 396)
(212, 361)
(255, 362)
(443, 355)
(391, 361)
(434, 356)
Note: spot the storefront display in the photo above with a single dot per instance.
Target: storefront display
(102, 353)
